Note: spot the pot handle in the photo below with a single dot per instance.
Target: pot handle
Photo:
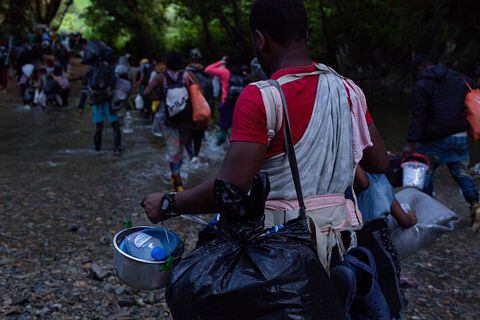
(128, 222)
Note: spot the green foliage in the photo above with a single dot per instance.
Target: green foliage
(364, 38)
(74, 20)
(134, 26)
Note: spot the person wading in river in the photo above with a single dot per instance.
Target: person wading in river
(206, 83)
(97, 86)
(332, 132)
(438, 126)
(228, 70)
(173, 85)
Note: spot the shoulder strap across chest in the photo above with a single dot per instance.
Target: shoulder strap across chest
(272, 99)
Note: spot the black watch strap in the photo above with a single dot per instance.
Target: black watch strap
(168, 203)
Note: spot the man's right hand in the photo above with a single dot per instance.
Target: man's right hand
(80, 113)
(159, 207)
(225, 60)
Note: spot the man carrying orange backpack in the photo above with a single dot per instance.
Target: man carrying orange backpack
(438, 126)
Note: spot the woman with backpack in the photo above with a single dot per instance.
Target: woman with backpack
(178, 111)
(206, 83)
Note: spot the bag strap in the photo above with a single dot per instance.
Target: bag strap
(273, 108)
(467, 84)
(290, 151)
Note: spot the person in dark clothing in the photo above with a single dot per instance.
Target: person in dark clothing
(97, 86)
(63, 84)
(143, 79)
(438, 126)
(229, 71)
(206, 83)
(61, 53)
(5, 50)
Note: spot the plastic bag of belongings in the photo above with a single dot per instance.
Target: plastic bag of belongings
(120, 94)
(434, 219)
(96, 49)
(246, 272)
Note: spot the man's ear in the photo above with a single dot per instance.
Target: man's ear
(260, 40)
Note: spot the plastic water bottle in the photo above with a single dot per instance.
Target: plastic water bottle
(275, 229)
(146, 247)
(213, 224)
(128, 123)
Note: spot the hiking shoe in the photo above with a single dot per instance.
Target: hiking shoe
(369, 302)
(195, 160)
(177, 183)
(475, 217)
(117, 152)
(343, 279)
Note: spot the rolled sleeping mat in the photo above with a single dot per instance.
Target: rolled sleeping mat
(434, 219)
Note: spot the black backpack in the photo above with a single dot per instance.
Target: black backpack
(95, 50)
(51, 86)
(237, 84)
(100, 81)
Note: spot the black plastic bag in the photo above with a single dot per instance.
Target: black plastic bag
(244, 273)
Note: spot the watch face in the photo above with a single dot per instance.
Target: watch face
(165, 204)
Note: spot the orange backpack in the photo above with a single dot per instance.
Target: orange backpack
(202, 113)
(472, 112)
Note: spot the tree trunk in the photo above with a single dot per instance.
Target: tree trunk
(329, 37)
(204, 17)
(234, 35)
(64, 12)
(16, 17)
(45, 11)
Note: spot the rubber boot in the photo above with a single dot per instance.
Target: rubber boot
(177, 183)
(97, 138)
(117, 138)
(197, 145)
(475, 216)
(221, 137)
(344, 279)
(369, 303)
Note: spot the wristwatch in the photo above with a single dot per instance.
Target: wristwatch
(168, 203)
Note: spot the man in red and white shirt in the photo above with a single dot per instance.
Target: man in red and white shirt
(249, 120)
(280, 41)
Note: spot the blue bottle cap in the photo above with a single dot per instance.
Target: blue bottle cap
(158, 254)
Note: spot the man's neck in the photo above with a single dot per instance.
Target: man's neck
(292, 57)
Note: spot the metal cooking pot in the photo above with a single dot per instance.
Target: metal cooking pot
(143, 274)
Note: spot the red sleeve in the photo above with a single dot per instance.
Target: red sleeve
(249, 118)
(218, 70)
(369, 118)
